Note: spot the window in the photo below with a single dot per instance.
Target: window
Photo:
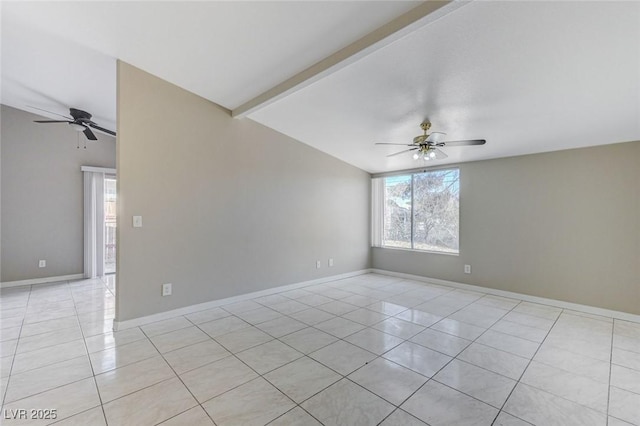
(420, 211)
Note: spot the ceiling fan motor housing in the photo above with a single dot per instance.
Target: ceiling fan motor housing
(79, 115)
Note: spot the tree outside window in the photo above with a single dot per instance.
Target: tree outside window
(422, 211)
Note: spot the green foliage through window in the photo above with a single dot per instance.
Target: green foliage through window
(421, 211)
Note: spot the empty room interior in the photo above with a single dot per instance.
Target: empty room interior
(391, 213)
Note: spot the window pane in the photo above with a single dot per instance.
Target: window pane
(436, 197)
(109, 225)
(397, 212)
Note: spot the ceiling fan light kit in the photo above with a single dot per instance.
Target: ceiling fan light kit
(426, 146)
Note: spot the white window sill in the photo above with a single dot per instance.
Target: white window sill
(418, 251)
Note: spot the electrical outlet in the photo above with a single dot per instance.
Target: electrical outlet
(42, 263)
(166, 289)
(330, 262)
(467, 269)
(318, 264)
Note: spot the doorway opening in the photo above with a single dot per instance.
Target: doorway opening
(99, 221)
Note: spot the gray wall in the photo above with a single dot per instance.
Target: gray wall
(229, 206)
(562, 225)
(41, 195)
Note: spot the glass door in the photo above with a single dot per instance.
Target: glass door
(109, 224)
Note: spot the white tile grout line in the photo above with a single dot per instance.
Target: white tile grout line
(149, 319)
(179, 378)
(235, 355)
(524, 371)
(273, 338)
(455, 357)
(376, 355)
(86, 348)
(473, 341)
(43, 366)
(613, 328)
(370, 326)
(6, 389)
(587, 309)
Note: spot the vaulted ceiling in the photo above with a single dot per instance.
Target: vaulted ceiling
(526, 76)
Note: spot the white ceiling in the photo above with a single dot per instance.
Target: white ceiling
(227, 52)
(526, 76)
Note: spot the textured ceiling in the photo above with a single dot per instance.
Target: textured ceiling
(526, 76)
(57, 54)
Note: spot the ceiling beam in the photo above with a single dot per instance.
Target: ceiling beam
(418, 17)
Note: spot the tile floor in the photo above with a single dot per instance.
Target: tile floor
(360, 351)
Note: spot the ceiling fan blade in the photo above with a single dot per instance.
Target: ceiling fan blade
(52, 121)
(402, 152)
(89, 134)
(439, 154)
(401, 144)
(101, 129)
(465, 143)
(50, 112)
(435, 137)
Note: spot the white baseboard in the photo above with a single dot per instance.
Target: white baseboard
(135, 322)
(41, 280)
(534, 299)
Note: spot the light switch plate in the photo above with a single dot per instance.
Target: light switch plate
(137, 221)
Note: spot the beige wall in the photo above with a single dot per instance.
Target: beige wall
(41, 195)
(563, 225)
(229, 206)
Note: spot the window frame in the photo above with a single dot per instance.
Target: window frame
(412, 174)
